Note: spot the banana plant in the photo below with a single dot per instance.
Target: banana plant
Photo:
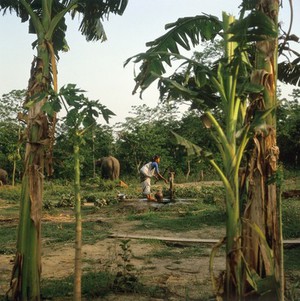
(263, 207)
(46, 20)
(81, 117)
(225, 87)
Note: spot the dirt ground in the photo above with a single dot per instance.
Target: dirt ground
(186, 278)
(183, 279)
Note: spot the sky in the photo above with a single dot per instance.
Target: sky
(98, 67)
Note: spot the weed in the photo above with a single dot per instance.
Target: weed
(48, 205)
(90, 198)
(126, 279)
(66, 200)
(292, 292)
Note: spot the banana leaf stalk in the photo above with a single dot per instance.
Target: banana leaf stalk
(226, 83)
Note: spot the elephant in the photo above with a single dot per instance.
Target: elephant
(110, 167)
(3, 176)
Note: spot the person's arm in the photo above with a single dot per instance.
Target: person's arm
(158, 175)
(161, 177)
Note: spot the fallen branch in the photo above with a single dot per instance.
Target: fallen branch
(171, 239)
(186, 240)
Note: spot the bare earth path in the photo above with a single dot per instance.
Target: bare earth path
(181, 278)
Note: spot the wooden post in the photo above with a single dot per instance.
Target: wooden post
(171, 181)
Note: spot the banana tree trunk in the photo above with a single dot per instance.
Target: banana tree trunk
(78, 238)
(25, 280)
(233, 288)
(263, 207)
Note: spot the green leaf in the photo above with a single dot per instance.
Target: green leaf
(191, 148)
(95, 11)
(179, 87)
(289, 72)
(255, 27)
(48, 108)
(71, 118)
(184, 32)
(35, 99)
(106, 113)
(88, 120)
(260, 116)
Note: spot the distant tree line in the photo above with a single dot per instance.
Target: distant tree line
(144, 133)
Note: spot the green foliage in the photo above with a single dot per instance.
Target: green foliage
(188, 217)
(11, 194)
(80, 110)
(93, 285)
(80, 124)
(11, 106)
(47, 21)
(177, 217)
(194, 29)
(57, 196)
(8, 234)
(126, 279)
(231, 85)
(144, 135)
(134, 144)
(63, 232)
(66, 200)
(11, 131)
(288, 129)
(290, 218)
(179, 252)
(254, 27)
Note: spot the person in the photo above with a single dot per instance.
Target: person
(148, 171)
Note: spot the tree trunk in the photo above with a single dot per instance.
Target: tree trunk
(262, 207)
(188, 170)
(25, 280)
(78, 239)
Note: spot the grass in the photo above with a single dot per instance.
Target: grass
(8, 234)
(290, 218)
(204, 211)
(54, 233)
(178, 252)
(188, 216)
(94, 285)
(63, 232)
(10, 194)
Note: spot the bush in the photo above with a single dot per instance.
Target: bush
(10, 193)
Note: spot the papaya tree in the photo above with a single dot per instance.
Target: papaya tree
(230, 86)
(47, 22)
(81, 118)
